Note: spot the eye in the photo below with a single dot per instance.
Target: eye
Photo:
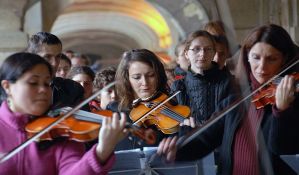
(136, 77)
(208, 49)
(272, 59)
(33, 83)
(254, 56)
(196, 49)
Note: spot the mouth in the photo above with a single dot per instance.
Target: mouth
(262, 74)
(41, 101)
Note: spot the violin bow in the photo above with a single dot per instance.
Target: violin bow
(182, 141)
(7, 156)
(156, 107)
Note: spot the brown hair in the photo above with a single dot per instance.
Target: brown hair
(104, 77)
(123, 87)
(215, 28)
(271, 34)
(196, 34)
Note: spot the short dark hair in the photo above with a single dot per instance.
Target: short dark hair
(36, 41)
(81, 70)
(17, 64)
(65, 58)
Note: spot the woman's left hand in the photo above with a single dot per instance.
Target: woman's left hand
(112, 131)
(285, 93)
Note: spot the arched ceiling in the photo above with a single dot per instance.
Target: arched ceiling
(119, 25)
(109, 27)
(67, 25)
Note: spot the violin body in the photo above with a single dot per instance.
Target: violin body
(267, 95)
(71, 128)
(82, 127)
(166, 118)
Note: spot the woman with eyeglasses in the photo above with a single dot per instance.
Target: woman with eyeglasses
(204, 85)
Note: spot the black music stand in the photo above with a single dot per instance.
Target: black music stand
(292, 161)
(137, 162)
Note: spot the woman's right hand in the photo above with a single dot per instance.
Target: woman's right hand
(111, 132)
(168, 148)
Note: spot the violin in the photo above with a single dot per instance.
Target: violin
(267, 95)
(166, 118)
(82, 127)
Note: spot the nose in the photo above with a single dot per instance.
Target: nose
(43, 88)
(262, 65)
(144, 81)
(112, 95)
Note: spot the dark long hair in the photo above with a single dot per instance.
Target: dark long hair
(123, 87)
(271, 34)
(16, 65)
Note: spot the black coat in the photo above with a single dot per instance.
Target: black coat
(223, 132)
(66, 92)
(202, 93)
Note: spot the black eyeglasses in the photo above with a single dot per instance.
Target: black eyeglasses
(208, 50)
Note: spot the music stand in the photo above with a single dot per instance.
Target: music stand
(292, 161)
(204, 166)
(127, 162)
(138, 162)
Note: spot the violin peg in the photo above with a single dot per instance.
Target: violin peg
(139, 142)
(130, 138)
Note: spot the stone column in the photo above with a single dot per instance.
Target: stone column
(12, 38)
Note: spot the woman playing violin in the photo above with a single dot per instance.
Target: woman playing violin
(26, 94)
(140, 77)
(245, 134)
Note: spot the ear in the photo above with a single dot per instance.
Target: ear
(5, 85)
(186, 55)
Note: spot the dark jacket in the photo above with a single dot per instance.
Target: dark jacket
(202, 93)
(66, 92)
(179, 73)
(285, 139)
(222, 133)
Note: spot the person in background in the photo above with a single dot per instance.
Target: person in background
(64, 66)
(65, 92)
(222, 52)
(204, 85)
(102, 79)
(182, 62)
(84, 76)
(80, 60)
(26, 93)
(69, 53)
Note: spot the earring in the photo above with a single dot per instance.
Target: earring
(9, 103)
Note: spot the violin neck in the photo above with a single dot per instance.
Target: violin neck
(88, 116)
(277, 80)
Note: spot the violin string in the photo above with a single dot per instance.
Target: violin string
(172, 114)
(155, 108)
